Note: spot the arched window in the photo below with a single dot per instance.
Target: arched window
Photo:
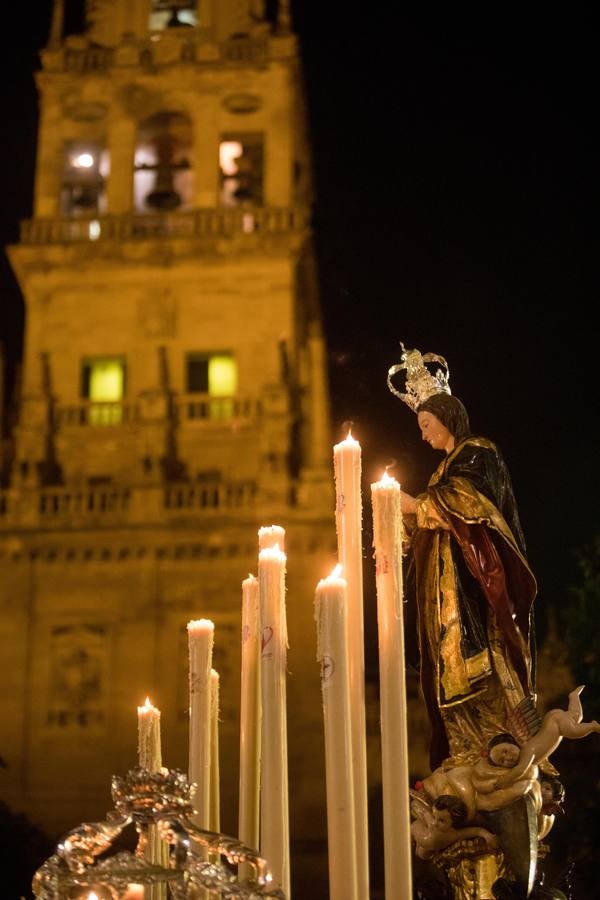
(85, 170)
(241, 169)
(163, 176)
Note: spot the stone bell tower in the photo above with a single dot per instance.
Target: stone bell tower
(173, 398)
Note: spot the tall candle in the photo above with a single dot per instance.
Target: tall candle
(150, 758)
(332, 653)
(200, 643)
(215, 787)
(149, 750)
(274, 814)
(387, 541)
(348, 517)
(249, 787)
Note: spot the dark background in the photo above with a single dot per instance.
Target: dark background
(455, 171)
(456, 210)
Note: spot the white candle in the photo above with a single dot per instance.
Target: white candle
(274, 813)
(215, 788)
(249, 787)
(387, 541)
(149, 750)
(332, 653)
(200, 642)
(348, 518)
(271, 536)
(150, 758)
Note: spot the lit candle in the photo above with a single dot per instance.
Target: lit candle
(274, 813)
(215, 790)
(348, 518)
(200, 642)
(332, 654)
(150, 758)
(249, 788)
(387, 541)
(149, 750)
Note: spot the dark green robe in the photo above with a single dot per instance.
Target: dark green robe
(473, 594)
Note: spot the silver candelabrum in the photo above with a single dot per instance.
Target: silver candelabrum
(197, 863)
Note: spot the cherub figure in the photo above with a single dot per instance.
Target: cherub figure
(553, 795)
(484, 786)
(556, 725)
(477, 785)
(443, 823)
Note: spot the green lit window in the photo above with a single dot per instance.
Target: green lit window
(103, 385)
(214, 374)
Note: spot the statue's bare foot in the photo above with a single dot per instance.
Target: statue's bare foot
(575, 707)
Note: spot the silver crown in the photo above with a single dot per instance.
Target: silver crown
(420, 383)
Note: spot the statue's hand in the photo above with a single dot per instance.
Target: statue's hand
(408, 504)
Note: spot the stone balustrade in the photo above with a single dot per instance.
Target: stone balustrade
(204, 408)
(91, 413)
(162, 49)
(207, 496)
(113, 505)
(191, 408)
(194, 224)
(74, 503)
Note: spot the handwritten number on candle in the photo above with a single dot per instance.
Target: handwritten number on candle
(382, 565)
(245, 633)
(267, 634)
(341, 502)
(327, 668)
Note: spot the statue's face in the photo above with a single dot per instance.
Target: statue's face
(434, 432)
(505, 755)
(547, 792)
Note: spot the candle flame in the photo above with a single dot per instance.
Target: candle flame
(148, 704)
(336, 572)
(92, 895)
(348, 424)
(387, 479)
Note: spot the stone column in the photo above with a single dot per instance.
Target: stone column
(121, 146)
(205, 153)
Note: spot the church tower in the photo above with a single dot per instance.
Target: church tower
(173, 399)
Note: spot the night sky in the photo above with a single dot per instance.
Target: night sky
(454, 174)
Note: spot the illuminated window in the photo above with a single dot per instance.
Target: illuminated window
(214, 374)
(163, 176)
(241, 168)
(172, 14)
(85, 170)
(103, 385)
